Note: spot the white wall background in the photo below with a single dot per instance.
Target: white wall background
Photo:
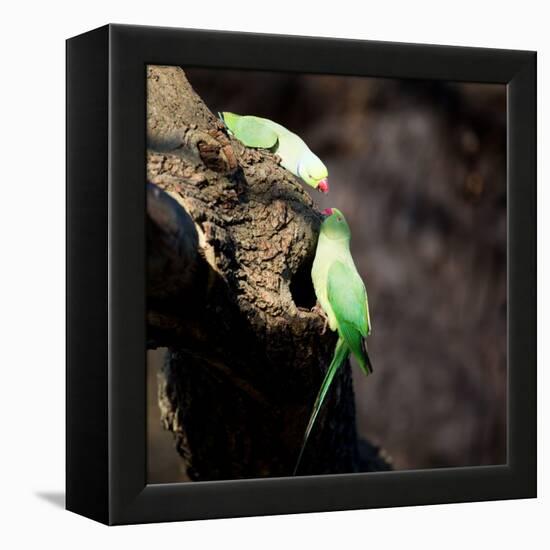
(32, 129)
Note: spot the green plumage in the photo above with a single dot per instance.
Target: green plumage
(253, 131)
(295, 155)
(342, 295)
(341, 352)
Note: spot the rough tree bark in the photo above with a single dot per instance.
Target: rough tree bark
(231, 237)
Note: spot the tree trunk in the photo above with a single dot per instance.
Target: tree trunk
(231, 240)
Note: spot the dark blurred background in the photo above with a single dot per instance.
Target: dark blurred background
(419, 170)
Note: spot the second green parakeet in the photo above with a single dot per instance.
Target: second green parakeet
(342, 295)
(295, 155)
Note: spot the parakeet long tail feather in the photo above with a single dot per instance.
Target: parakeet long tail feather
(341, 351)
(368, 364)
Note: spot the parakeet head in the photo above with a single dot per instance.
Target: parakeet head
(335, 226)
(313, 172)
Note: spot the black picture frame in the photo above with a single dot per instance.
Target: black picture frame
(106, 361)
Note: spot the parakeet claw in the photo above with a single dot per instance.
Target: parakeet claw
(320, 311)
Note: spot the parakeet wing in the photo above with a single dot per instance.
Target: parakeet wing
(253, 132)
(348, 300)
(347, 296)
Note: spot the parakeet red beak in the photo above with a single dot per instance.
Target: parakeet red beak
(323, 186)
(327, 212)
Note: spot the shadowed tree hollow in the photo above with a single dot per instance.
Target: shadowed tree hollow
(231, 239)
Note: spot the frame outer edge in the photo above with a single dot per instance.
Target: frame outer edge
(131, 499)
(86, 275)
(522, 270)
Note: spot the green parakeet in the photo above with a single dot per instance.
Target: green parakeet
(295, 155)
(342, 295)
